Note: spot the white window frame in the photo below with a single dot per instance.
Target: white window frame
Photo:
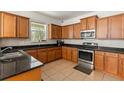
(44, 31)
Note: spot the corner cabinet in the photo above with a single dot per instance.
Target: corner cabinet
(54, 31)
(7, 25)
(22, 27)
(67, 32)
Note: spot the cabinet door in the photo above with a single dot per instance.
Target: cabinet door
(65, 32)
(121, 65)
(32, 53)
(102, 28)
(9, 25)
(99, 60)
(64, 52)
(59, 32)
(54, 32)
(91, 23)
(74, 55)
(111, 63)
(84, 24)
(69, 53)
(42, 55)
(22, 27)
(58, 53)
(116, 27)
(51, 54)
(77, 30)
(70, 31)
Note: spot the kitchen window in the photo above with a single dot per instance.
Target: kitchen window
(38, 32)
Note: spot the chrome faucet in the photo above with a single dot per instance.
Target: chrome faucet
(1, 51)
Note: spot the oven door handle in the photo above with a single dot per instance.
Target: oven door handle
(85, 50)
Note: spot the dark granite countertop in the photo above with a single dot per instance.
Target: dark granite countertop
(18, 65)
(99, 48)
(28, 47)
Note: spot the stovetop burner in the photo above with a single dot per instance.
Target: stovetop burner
(89, 46)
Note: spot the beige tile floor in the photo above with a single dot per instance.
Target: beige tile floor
(62, 70)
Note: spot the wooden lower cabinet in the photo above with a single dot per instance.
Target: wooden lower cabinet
(64, 52)
(32, 75)
(32, 52)
(46, 54)
(42, 55)
(111, 63)
(99, 60)
(58, 53)
(121, 65)
(51, 54)
(74, 55)
(69, 52)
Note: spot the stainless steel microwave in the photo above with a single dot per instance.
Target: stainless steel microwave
(88, 34)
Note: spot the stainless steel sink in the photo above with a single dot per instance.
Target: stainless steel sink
(11, 55)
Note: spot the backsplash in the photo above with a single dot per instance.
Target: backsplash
(19, 42)
(106, 43)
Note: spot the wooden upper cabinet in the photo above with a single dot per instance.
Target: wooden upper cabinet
(12, 26)
(77, 31)
(8, 25)
(59, 32)
(91, 23)
(22, 27)
(67, 32)
(42, 55)
(64, 32)
(54, 31)
(99, 60)
(70, 31)
(111, 63)
(83, 24)
(102, 28)
(116, 27)
(88, 23)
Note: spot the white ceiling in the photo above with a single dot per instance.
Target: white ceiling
(63, 15)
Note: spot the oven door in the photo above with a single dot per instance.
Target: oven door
(86, 56)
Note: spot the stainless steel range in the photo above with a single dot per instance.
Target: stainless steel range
(86, 56)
